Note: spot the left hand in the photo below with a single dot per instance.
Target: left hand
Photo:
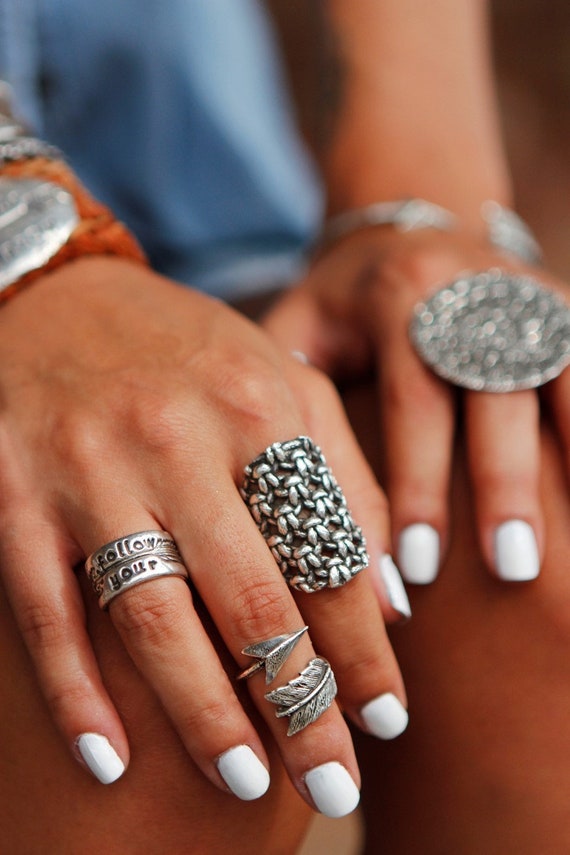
(353, 310)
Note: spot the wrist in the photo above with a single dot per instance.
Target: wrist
(416, 112)
(90, 227)
(361, 180)
(47, 217)
(501, 227)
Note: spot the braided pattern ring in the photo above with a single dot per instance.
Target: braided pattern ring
(301, 512)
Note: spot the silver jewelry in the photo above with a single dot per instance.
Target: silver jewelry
(509, 232)
(306, 697)
(271, 654)
(120, 579)
(505, 229)
(15, 141)
(10, 126)
(405, 214)
(493, 331)
(124, 563)
(124, 549)
(24, 147)
(36, 220)
(302, 513)
(10, 129)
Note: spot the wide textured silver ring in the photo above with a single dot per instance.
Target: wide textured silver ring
(494, 332)
(131, 560)
(302, 514)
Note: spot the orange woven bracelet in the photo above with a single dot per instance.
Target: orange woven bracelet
(97, 233)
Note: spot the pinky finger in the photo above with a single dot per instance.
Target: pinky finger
(46, 601)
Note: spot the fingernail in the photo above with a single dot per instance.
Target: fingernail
(516, 552)
(394, 586)
(243, 772)
(100, 757)
(418, 553)
(385, 717)
(332, 789)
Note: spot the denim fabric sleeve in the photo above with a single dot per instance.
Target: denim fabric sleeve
(175, 113)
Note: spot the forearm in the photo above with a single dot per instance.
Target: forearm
(411, 111)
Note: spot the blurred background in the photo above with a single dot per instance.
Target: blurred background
(532, 59)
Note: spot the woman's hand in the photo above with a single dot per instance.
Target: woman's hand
(128, 404)
(353, 309)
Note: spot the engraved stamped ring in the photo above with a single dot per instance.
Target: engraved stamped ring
(493, 332)
(302, 513)
(129, 561)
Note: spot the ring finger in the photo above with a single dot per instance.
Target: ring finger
(504, 456)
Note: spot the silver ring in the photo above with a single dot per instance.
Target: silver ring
(302, 514)
(271, 654)
(306, 697)
(493, 332)
(131, 560)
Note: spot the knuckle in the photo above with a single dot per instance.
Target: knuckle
(319, 390)
(251, 390)
(217, 711)
(373, 666)
(146, 617)
(369, 496)
(319, 400)
(260, 607)
(67, 694)
(44, 625)
(412, 396)
(159, 421)
(77, 441)
(504, 484)
(421, 264)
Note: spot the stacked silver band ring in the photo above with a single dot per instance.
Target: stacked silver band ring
(128, 561)
(302, 514)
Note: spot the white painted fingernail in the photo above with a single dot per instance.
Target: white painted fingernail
(385, 717)
(243, 772)
(332, 789)
(394, 586)
(516, 552)
(100, 757)
(418, 553)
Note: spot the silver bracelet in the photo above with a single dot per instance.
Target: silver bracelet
(404, 214)
(22, 148)
(16, 143)
(506, 231)
(509, 232)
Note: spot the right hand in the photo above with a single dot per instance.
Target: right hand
(129, 403)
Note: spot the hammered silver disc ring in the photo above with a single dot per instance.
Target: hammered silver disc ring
(493, 332)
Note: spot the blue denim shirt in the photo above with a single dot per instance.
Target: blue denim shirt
(175, 113)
